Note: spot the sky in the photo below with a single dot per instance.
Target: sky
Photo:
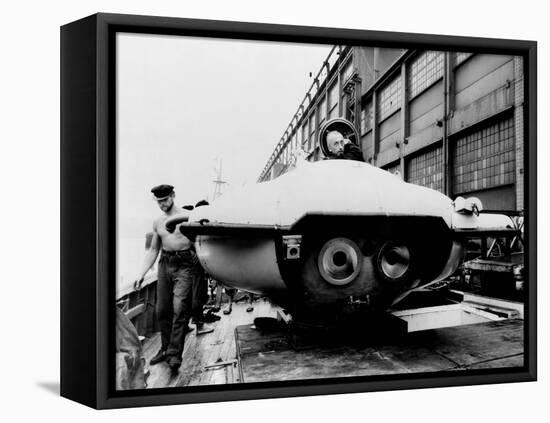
(185, 104)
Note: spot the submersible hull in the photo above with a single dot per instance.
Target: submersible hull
(328, 231)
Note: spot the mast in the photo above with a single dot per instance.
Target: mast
(218, 182)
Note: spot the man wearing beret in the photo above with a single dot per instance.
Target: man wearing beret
(178, 271)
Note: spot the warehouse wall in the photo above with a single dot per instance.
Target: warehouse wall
(483, 131)
(449, 121)
(519, 131)
(482, 136)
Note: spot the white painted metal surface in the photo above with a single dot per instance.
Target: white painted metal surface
(330, 187)
(338, 187)
(482, 222)
(248, 264)
(444, 316)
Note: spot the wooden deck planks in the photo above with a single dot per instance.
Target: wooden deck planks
(214, 351)
(204, 350)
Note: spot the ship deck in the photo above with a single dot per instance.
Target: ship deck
(205, 350)
(489, 345)
(236, 352)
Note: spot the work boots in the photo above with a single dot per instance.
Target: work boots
(160, 356)
(174, 363)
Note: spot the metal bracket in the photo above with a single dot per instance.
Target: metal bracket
(292, 245)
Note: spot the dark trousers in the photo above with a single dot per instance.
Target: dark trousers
(200, 296)
(177, 275)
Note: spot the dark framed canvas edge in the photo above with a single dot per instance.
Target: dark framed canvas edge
(86, 367)
(78, 349)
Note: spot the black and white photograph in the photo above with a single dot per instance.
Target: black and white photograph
(275, 211)
(292, 211)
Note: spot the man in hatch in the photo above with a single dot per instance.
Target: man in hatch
(342, 148)
(179, 271)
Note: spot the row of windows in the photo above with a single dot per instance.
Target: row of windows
(485, 159)
(481, 160)
(424, 71)
(427, 169)
(390, 99)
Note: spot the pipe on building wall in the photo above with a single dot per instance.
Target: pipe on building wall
(374, 126)
(376, 70)
(340, 110)
(447, 69)
(404, 119)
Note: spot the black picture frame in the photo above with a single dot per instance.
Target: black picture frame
(88, 213)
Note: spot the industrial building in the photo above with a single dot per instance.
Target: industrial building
(451, 121)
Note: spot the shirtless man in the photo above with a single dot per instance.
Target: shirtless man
(178, 271)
